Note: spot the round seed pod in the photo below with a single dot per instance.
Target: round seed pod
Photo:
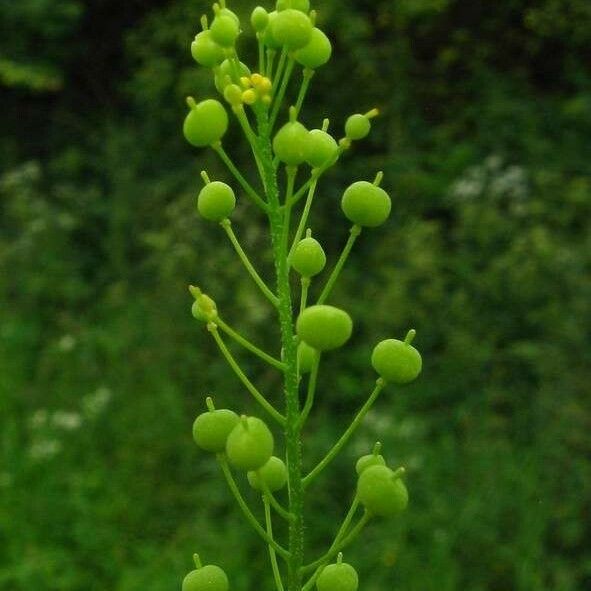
(292, 28)
(273, 474)
(206, 123)
(338, 577)
(308, 257)
(269, 38)
(227, 12)
(324, 327)
(250, 444)
(259, 19)
(207, 578)
(322, 148)
(357, 127)
(226, 75)
(367, 461)
(365, 204)
(211, 429)
(306, 357)
(224, 30)
(381, 492)
(316, 52)
(396, 361)
(302, 5)
(291, 143)
(204, 309)
(216, 201)
(206, 51)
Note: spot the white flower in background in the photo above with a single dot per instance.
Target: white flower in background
(66, 343)
(493, 179)
(68, 421)
(39, 418)
(44, 449)
(94, 403)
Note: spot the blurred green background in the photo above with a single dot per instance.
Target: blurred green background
(485, 140)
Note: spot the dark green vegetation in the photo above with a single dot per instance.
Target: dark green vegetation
(485, 142)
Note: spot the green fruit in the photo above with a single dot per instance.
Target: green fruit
(306, 357)
(367, 461)
(324, 327)
(316, 52)
(206, 123)
(292, 28)
(226, 74)
(269, 37)
(338, 577)
(291, 143)
(211, 429)
(322, 149)
(216, 201)
(206, 578)
(206, 51)
(365, 204)
(357, 127)
(224, 30)
(250, 444)
(302, 5)
(308, 258)
(259, 19)
(396, 361)
(381, 492)
(204, 308)
(273, 474)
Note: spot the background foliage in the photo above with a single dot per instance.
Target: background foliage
(484, 139)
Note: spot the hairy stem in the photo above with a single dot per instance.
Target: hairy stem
(277, 221)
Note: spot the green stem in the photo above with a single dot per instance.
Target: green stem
(338, 537)
(316, 174)
(307, 77)
(289, 345)
(354, 233)
(311, 390)
(279, 72)
(281, 510)
(271, 53)
(261, 54)
(272, 557)
(213, 329)
(227, 226)
(304, 295)
(304, 218)
(250, 346)
(238, 176)
(282, 89)
(336, 448)
(352, 535)
(246, 510)
(250, 136)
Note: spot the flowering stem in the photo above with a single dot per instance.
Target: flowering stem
(354, 233)
(277, 221)
(336, 448)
